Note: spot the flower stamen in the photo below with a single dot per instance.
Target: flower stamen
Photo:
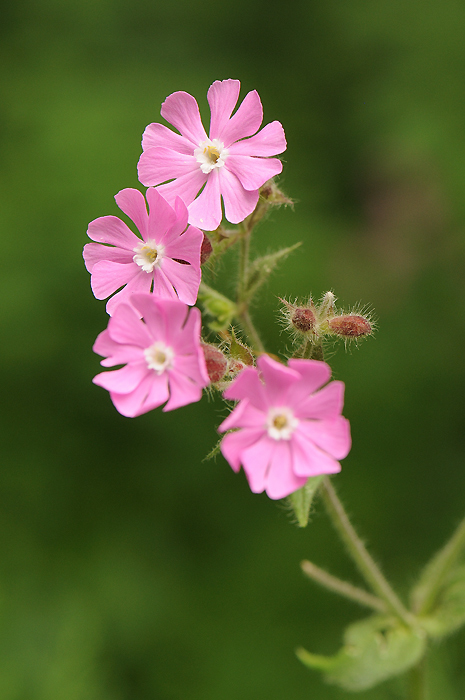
(210, 154)
(281, 423)
(148, 255)
(159, 357)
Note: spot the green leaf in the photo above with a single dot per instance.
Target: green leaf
(220, 307)
(261, 268)
(425, 593)
(301, 500)
(239, 351)
(449, 613)
(374, 650)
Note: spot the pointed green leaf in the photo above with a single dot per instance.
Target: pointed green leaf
(301, 500)
(239, 351)
(425, 593)
(374, 649)
(449, 614)
(261, 268)
(217, 305)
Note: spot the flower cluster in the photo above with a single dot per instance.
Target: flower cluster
(285, 427)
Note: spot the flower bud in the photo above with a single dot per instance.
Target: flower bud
(271, 194)
(303, 319)
(215, 361)
(350, 326)
(206, 249)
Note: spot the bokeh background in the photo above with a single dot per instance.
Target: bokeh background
(130, 569)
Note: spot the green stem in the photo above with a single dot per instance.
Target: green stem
(332, 583)
(247, 324)
(417, 681)
(244, 249)
(360, 554)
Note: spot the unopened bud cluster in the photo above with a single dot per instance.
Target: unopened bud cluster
(316, 322)
(224, 363)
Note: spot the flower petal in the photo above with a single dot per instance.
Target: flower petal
(222, 97)
(162, 216)
(132, 203)
(95, 252)
(182, 391)
(185, 187)
(245, 122)
(332, 436)
(314, 374)
(135, 403)
(205, 211)
(252, 173)
(111, 230)
(181, 110)
(238, 202)
(281, 480)
(278, 380)
(156, 165)
(268, 142)
(149, 309)
(156, 135)
(175, 314)
(162, 287)
(141, 282)
(184, 278)
(233, 445)
(108, 276)
(247, 385)
(309, 460)
(256, 461)
(326, 403)
(115, 353)
(124, 380)
(184, 247)
(190, 366)
(244, 415)
(126, 327)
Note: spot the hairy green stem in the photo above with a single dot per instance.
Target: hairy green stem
(332, 583)
(362, 558)
(252, 333)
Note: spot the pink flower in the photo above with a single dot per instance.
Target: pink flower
(167, 258)
(161, 352)
(226, 162)
(288, 431)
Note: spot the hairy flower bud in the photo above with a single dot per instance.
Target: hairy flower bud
(303, 319)
(215, 361)
(350, 326)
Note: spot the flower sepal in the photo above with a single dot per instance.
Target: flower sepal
(301, 500)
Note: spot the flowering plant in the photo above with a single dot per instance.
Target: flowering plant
(285, 427)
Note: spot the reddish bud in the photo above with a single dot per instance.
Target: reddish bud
(350, 326)
(235, 366)
(303, 319)
(215, 361)
(206, 250)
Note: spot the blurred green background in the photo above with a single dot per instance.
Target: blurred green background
(129, 568)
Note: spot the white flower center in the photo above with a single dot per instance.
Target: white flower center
(148, 255)
(210, 154)
(159, 357)
(281, 423)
